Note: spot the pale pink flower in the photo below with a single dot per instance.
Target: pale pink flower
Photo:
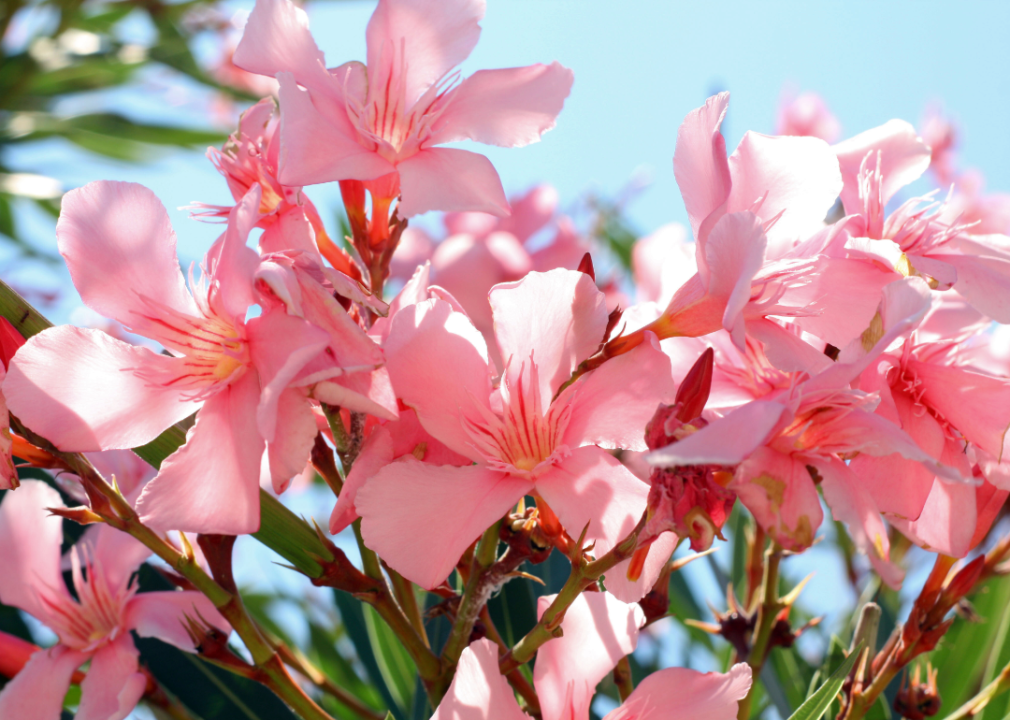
(524, 436)
(920, 237)
(785, 442)
(598, 631)
(807, 115)
(955, 413)
(481, 251)
(365, 121)
(95, 625)
(86, 391)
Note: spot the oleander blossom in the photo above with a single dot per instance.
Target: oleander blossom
(234, 373)
(365, 121)
(93, 624)
(527, 435)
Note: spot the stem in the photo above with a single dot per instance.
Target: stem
(475, 596)
(754, 564)
(516, 678)
(622, 678)
(299, 662)
(583, 575)
(767, 611)
(117, 512)
(403, 590)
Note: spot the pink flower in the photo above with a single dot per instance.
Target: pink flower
(361, 122)
(86, 391)
(598, 631)
(920, 237)
(92, 627)
(483, 250)
(524, 436)
(250, 157)
(955, 413)
(793, 438)
(807, 115)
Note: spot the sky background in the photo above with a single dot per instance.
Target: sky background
(638, 71)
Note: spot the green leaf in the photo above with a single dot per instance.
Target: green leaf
(817, 704)
(353, 617)
(396, 666)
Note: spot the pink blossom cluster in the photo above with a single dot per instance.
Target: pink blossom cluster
(820, 338)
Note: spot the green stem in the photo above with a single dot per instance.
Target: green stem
(622, 678)
(403, 590)
(767, 612)
(475, 596)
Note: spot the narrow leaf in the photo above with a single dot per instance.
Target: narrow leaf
(817, 704)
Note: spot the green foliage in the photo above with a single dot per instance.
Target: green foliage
(818, 703)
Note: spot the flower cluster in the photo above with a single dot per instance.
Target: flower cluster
(814, 340)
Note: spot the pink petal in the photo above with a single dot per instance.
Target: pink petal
(554, 319)
(699, 162)
(317, 145)
(692, 695)
(903, 158)
(115, 553)
(367, 392)
(796, 176)
(780, 493)
(37, 691)
(983, 282)
(478, 690)
(977, 405)
(290, 230)
(510, 107)
(851, 504)
(734, 253)
(613, 404)
(113, 685)
(599, 630)
(131, 472)
(231, 263)
(448, 179)
(465, 266)
(591, 487)
(434, 36)
(376, 453)
(31, 539)
(947, 521)
(280, 345)
(530, 213)
(95, 402)
(276, 39)
(288, 452)
(119, 245)
(733, 438)
(163, 615)
(660, 552)
(211, 484)
(438, 363)
(409, 499)
(8, 474)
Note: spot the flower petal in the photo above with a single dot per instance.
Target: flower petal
(163, 615)
(434, 35)
(317, 145)
(510, 107)
(376, 453)
(276, 39)
(288, 452)
(438, 364)
(31, 539)
(554, 320)
(448, 179)
(613, 404)
(211, 484)
(113, 684)
(735, 437)
(695, 695)
(478, 690)
(699, 161)
(903, 158)
(37, 691)
(95, 402)
(447, 506)
(119, 245)
(599, 630)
